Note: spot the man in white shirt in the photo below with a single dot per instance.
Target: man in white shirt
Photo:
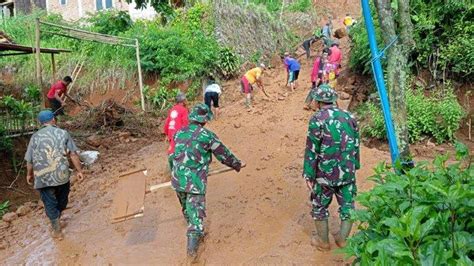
(211, 94)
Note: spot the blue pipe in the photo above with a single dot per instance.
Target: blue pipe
(379, 82)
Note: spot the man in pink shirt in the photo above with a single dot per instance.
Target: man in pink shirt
(335, 57)
(177, 118)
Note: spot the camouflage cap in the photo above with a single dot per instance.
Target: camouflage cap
(324, 93)
(201, 113)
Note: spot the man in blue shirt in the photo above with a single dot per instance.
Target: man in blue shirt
(293, 69)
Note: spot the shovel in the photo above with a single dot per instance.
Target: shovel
(129, 201)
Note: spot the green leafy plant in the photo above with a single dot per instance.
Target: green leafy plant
(437, 116)
(6, 144)
(110, 22)
(160, 98)
(4, 207)
(420, 217)
(20, 108)
(300, 5)
(228, 63)
(443, 34)
(32, 93)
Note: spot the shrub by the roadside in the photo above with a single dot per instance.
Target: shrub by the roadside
(438, 116)
(421, 217)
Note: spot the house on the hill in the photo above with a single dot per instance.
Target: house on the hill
(72, 9)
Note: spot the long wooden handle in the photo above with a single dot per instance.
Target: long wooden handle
(214, 172)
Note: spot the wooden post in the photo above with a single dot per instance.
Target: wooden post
(53, 66)
(140, 78)
(38, 61)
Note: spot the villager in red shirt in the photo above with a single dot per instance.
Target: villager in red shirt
(177, 118)
(335, 57)
(57, 94)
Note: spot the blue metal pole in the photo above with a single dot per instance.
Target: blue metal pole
(379, 81)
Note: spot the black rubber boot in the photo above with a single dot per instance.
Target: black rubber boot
(193, 245)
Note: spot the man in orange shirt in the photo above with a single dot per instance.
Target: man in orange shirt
(253, 76)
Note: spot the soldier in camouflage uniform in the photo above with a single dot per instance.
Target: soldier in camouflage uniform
(192, 156)
(331, 159)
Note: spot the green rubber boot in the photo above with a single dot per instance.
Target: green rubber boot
(321, 238)
(193, 246)
(344, 232)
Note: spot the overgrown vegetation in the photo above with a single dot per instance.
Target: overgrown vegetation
(4, 207)
(443, 34)
(438, 115)
(420, 217)
(184, 49)
(275, 6)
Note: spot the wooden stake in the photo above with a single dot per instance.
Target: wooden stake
(53, 66)
(38, 60)
(140, 78)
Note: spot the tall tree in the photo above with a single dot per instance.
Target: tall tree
(397, 58)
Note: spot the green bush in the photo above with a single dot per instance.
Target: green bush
(421, 217)
(228, 62)
(6, 144)
(300, 6)
(110, 22)
(437, 116)
(360, 56)
(443, 30)
(20, 108)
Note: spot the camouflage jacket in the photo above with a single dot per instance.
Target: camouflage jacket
(192, 156)
(332, 152)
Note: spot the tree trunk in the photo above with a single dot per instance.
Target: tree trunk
(396, 76)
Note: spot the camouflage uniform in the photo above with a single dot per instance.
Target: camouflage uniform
(331, 157)
(192, 156)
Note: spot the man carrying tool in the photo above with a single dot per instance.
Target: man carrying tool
(193, 154)
(252, 76)
(57, 93)
(326, 33)
(48, 166)
(307, 45)
(293, 70)
(331, 159)
(177, 118)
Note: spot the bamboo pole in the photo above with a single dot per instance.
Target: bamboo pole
(53, 66)
(140, 78)
(85, 32)
(38, 61)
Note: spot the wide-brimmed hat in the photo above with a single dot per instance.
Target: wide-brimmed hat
(201, 113)
(324, 93)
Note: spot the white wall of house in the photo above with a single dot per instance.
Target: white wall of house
(75, 9)
(147, 13)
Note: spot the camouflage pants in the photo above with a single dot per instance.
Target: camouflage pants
(322, 197)
(193, 207)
